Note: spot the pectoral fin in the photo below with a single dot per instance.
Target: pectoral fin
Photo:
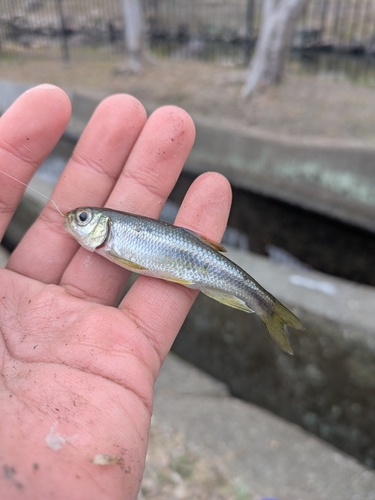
(228, 300)
(128, 264)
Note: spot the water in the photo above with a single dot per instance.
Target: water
(285, 233)
(297, 237)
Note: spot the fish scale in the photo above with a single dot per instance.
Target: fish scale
(161, 250)
(186, 257)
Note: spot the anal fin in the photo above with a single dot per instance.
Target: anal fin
(180, 281)
(228, 300)
(128, 264)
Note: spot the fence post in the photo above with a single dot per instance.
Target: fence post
(64, 33)
(250, 7)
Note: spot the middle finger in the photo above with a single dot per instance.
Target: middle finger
(148, 177)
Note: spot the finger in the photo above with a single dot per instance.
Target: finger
(29, 130)
(158, 308)
(147, 179)
(88, 178)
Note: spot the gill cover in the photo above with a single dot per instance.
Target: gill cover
(89, 227)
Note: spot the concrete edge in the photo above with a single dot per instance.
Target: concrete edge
(268, 456)
(328, 297)
(334, 178)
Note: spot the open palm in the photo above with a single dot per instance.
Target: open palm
(77, 373)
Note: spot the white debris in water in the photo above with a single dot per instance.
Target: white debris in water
(320, 286)
(235, 238)
(282, 256)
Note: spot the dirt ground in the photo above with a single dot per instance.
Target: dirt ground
(303, 105)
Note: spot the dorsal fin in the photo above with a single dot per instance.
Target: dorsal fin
(207, 241)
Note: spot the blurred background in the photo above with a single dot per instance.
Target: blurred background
(282, 93)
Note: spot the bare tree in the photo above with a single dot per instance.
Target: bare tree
(278, 22)
(134, 33)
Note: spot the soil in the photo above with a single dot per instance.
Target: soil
(176, 471)
(303, 105)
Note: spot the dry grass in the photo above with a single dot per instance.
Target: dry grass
(302, 105)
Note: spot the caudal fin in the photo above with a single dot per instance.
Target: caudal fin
(276, 323)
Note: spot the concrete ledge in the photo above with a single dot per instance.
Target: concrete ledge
(4, 256)
(270, 457)
(328, 176)
(328, 387)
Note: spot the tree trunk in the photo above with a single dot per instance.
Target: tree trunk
(279, 18)
(134, 33)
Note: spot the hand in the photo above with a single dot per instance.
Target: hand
(77, 373)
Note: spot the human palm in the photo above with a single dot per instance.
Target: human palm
(77, 373)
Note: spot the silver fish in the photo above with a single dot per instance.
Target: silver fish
(160, 250)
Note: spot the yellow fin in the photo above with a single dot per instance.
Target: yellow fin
(180, 281)
(207, 241)
(228, 300)
(277, 321)
(128, 264)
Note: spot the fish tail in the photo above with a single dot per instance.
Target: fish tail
(277, 321)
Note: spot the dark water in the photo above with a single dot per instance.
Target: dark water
(265, 226)
(289, 233)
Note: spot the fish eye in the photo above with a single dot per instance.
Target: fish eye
(83, 217)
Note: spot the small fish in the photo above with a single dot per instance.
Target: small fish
(161, 250)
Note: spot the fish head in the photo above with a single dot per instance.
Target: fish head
(89, 226)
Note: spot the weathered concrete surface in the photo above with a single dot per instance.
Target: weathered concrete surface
(266, 455)
(269, 456)
(328, 387)
(4, 256)
(329, 177)
(9, 92)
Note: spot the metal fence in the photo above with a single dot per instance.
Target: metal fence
(208, 29)
(55, 28)
(342, 24)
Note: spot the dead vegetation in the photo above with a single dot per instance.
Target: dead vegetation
(303, 105)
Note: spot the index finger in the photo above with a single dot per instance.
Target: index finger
(29, 130)
(46, 250)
